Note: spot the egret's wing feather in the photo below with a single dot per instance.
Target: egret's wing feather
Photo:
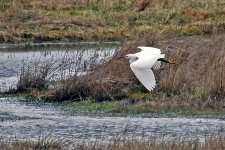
(150, 50)
(147, 58)
(145, 76)
(157, 65)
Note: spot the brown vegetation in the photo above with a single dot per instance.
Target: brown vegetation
(45, 144)
(33, 77)
(153, 144)
(150, 143)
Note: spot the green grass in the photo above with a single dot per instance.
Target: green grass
(117, 108)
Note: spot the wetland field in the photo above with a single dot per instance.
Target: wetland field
(65, 85)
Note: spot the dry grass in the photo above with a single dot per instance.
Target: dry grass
(44, 143)
(120, 144)
(198, 74)
(108, 81)
(201, 70)
(33, 76)
(30, 20)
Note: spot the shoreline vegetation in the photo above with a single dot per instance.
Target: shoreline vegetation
(59, 44)
(188, 32)
(123, 108)
(117, 143)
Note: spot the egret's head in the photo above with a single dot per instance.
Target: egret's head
(131, 57)
(128, 56)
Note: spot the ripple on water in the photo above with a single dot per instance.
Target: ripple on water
(29, 121)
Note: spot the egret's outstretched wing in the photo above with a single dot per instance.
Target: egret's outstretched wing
(150, 50)
(157, 65)
(145, 76)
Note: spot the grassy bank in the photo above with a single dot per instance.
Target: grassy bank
(101, 20)
(141, 108)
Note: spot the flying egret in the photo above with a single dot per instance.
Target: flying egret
(142, 62)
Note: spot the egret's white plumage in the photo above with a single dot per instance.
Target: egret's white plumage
(142, 62)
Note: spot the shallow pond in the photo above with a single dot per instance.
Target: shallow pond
(25, 120)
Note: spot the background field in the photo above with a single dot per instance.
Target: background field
(102, 20)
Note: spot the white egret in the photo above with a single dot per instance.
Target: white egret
(142, 62)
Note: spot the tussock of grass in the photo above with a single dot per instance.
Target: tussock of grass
(46, 143)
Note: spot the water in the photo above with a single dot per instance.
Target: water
(34, 120)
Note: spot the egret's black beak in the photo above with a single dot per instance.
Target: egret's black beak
(166, 61)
